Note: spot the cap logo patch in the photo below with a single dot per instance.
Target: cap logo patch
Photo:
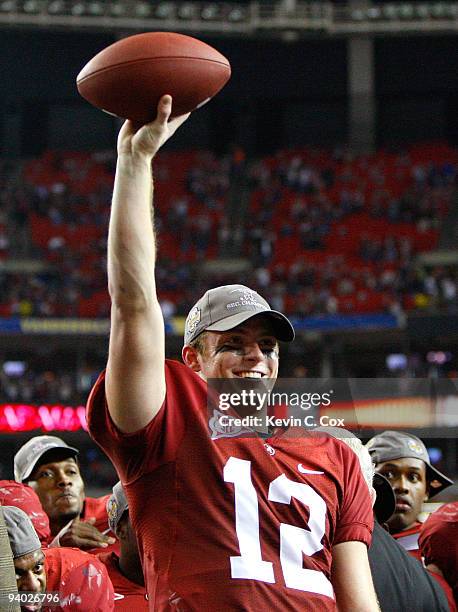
(415, 447)
(112, 510)
(41, 445)
(193, 319)
(247, 298)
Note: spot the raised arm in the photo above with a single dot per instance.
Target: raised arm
(135, 383)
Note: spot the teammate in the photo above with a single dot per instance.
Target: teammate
(77, 580)
(438, 543)
(404, 460)
(401, 583)
(28, 558)
(125, 569)
(223, 523)
(80, 579)
(50, 467)
(22, 496)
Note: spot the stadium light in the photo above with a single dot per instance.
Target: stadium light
(8, 6)
(422, 10)
(374, 12)
(209, 12)
(78, 9)
(438, 11)
(406, 11)
(390, 11)
(56, 7)
(236, 14)
(165, 10)
(142, 9)
(357, 15)
(95, 8)
(187, 11)
(31, 6)
(117, 9)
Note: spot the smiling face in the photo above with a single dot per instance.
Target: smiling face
(60, 488)
(407, 476)
(31, 575)
(249, 350)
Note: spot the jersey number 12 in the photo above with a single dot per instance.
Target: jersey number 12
(294, 541)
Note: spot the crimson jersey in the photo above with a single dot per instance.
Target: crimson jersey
(81, 580)
(96, 507)
(260, 516)
(128, 595)
(439, 542)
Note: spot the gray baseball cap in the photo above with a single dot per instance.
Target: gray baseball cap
(116, 506)
(399, 445)
(32, 451)
(21, 533)
(225, 307)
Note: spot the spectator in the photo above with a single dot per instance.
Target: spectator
(403, 459)
(401, 583)
(439, 543)
(50, 467)
(80, 581)
(22, 496)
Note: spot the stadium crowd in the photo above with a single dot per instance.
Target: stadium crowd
(377, 212)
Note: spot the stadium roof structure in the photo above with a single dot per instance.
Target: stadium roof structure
(285, 19)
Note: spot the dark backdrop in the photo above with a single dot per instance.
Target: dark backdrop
(280, 95)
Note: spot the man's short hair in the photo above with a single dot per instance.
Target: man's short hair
(199, 343)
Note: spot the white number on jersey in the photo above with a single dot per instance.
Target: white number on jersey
(294, 541)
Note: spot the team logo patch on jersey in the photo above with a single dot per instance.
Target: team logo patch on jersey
(220, 430)
(415, 446)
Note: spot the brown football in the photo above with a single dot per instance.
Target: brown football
(128, 77)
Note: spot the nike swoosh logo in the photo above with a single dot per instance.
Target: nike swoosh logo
(304, 470)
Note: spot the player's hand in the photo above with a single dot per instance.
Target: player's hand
(148, 139)
(85, 536)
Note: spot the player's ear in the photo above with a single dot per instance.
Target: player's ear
(190, 357)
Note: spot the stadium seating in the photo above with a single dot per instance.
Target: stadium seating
(329, 231)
